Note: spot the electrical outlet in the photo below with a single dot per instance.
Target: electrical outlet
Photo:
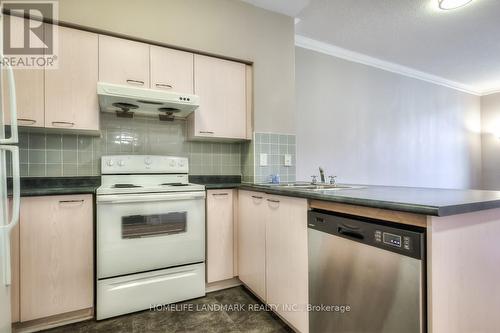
(263, 159)
(288, 160)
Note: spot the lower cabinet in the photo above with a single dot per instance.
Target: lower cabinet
(55, 256)
(252, 241)
(273, 252)
(221, 226)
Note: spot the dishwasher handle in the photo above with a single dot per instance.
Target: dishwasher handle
(348, 232)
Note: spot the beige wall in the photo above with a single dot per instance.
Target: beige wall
(371, 126)
(224, 27)
(490, 120)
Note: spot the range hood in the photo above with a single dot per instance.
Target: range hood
(126, 101)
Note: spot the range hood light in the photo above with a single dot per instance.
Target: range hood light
(452, 4)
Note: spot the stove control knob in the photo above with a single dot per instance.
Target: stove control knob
(110, 163)
(148, 161)
(121, 163)
(172, 163)
(181, 164)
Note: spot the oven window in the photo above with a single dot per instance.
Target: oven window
(136, 226)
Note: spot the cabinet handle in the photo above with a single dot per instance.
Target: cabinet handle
(141, 83)
(256, 197)
(31, 121)
(71, 201)
(206, 132)
(272, 200)
(63, 124)
(220, 194)
(163, 85)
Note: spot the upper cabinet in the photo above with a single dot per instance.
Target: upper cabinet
(29, 97)
(124, 62)
(70, 90)
(222, 87)
(171, 70)
(63, 97)
(29, 88)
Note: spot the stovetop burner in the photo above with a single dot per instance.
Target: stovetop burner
(174, 184)
(126, 186)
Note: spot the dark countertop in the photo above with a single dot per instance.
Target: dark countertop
(425, 201)
(38, 186)
(216, 182)
(218, 186)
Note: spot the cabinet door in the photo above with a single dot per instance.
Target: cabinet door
(252, 241)
(286, 258)
(221, 85)
(123, 62)
(56, 254)
(171, 70)
(29, 88)
(70, 90)
(220, 235)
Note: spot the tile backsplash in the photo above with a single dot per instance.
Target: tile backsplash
(49, 154)
(275, 146)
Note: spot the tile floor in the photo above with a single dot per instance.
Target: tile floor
(191, 321)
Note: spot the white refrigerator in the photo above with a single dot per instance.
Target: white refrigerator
(9, 209)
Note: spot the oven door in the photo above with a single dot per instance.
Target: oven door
(143, 232)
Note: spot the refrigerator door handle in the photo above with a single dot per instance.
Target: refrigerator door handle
(12, 107)
(16, 200)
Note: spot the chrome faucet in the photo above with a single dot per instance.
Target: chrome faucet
(322, 175)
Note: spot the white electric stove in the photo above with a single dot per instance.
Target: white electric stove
(150, 234)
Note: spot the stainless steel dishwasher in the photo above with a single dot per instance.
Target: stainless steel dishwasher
(365, 275)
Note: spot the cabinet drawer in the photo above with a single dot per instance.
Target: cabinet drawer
(115, 295)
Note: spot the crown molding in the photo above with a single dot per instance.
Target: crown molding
(315, 45)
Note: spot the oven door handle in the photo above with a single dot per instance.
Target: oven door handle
(130, 198)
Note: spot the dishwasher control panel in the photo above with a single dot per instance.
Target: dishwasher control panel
(392, 239)
(405, 240)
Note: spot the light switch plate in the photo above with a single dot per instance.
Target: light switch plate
(288, 160)
(263, 159)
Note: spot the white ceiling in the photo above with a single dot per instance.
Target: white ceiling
(461, 47)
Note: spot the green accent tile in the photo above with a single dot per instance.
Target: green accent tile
(23, 170)
(70, 156)
(283, 139)
(54, 141)
(84, 157)
(85, 170)
(24, 156)
(264, 138)
(24, 138)
(69, 142)
(54, 156)
(54, 170)
(275, 149)
(36, 170)
(70, 170)
(36, 156)
(36, 141)
(84, 143)
(291, 139)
